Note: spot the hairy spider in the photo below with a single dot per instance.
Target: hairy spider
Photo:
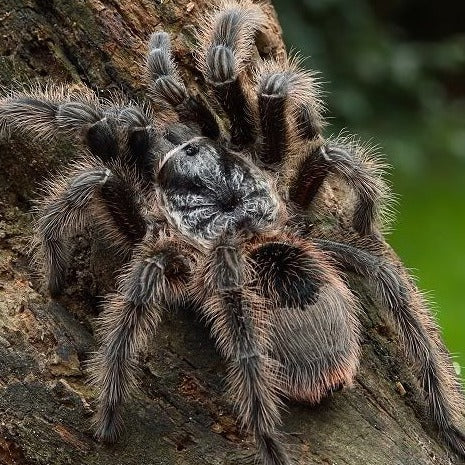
(224, 218)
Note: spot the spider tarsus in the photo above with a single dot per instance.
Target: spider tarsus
(28, 113)
(455, 438)
(109, 426)
(271, 451)
(55, 287)
(364, 215)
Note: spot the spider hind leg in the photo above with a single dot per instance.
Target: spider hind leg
(237, 318)
(418, 332)
(156, 277)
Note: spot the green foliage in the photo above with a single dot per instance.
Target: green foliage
(394, 72)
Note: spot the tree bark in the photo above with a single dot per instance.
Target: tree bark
(181, 415)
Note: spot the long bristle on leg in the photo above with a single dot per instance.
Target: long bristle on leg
(89, 191)
(168, 88)
(226, 43)
(285, 93)
(419, 334)
(45, 113)
(155, 278)
(358, 168)
(237, 318)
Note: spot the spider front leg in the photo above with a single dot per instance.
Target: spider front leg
(70, 202)
(156, 276)
(111, 133)
(45, 113)
(226, 42)
(168, 88)
(354, 165)
(418, 332)
(285, 95)
(291, 125)
(239, 324)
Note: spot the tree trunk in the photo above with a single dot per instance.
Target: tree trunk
(181, 415)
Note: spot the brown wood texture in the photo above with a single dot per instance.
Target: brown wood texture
(180, 416)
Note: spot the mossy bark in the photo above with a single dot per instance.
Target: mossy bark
(181, 415)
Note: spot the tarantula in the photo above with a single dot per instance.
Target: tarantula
(224, 219)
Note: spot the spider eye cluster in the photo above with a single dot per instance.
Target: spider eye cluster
(207, 190)
(191, 150)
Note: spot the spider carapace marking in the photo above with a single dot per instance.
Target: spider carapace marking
(222, 218)
(208, 190)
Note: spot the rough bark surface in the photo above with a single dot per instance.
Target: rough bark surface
(181, 415)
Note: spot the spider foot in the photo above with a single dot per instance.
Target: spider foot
(108, 426)
(456, 439)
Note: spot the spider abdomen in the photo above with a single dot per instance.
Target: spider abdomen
(314, 332)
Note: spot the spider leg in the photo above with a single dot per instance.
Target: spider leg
(419, 334)
(155, 277)
(314, 326)
(237, 320)
(90, 191)
(111, 133)
(226, 41)
(285, 96)
(44, 113)
(168, 88)
(362, 172)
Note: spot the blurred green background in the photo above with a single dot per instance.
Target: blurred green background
(394, 72)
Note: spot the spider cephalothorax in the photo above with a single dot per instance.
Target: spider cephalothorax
(206, 190)
(223, 218)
